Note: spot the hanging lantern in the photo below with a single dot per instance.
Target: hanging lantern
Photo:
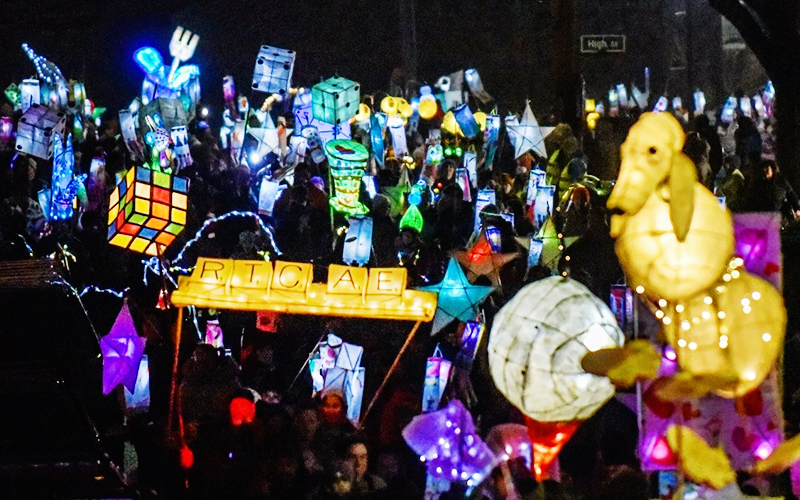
(735, 330)
(437, 374)
(6, 129)
(122, 351)
(273, 71)
(450, 125)
(466, 121)
(358, 241)
(214, 334)
(335, 100)
(36, 130)
(348, 162)
(543, 203)
(537, 342)
(377, 124)
(428, 108)
(673, 238)
(147, 209)
(535, 251)
(363, 113)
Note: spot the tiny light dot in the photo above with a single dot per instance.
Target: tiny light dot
(662, 303)
(692, 345)
(721, 315)
(458, 431)
(723, 345)
(567, 258)
(738, 261)
(679, 308)
(685, 325)
(659, 314)
(756, 295)
(747, 309)
(439, 470)
(640, 289)
(726, 277)
(667, 320)
(750, 375)
(720, 289)
(681, 343)
(696, 321)
(745, 302)
(560, 235)
(766, 337)
(561, 247)
(723, 338)
(708, 300)
(706, 315)
(735, 273)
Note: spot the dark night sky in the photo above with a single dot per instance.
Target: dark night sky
(94, 41)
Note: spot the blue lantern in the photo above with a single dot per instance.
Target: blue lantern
(466, 121)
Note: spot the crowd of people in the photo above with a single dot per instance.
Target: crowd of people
(251, 429)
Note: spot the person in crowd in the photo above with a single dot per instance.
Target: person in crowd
(365, 484)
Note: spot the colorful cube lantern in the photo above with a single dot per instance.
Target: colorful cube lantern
(273, 72)
(348, 161)
(147, 209)
(35, 131)
(335, 100)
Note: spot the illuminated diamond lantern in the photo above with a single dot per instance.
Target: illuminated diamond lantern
(36, 129)
(335, 100)
(147, 210)
(348, 162)
(273, 71)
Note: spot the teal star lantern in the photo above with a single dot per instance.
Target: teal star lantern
(458, 298)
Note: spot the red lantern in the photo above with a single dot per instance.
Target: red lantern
(547, 439)
(243, 411)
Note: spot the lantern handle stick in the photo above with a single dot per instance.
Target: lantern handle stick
(174, 385)
(308, 360)
(391, 370)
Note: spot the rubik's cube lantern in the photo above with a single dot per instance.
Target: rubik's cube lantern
(348, 162)
(335, 100)
(147, 210)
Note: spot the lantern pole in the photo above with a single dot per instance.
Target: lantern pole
(174, 386)
(391, 370)
(308, 360)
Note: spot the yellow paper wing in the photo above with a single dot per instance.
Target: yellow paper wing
(700, 462)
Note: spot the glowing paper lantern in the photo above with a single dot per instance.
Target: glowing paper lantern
(377, 124)
(36, 129)
(6, 128)
(354, 394)
(448, 445)
(450, 125)
(267, 195)
(510, 441)
(138, 400)
(547, 440)
(535, 251)
(13, 94)
(543, 203)
(348, 161)
(536, 178)
(412, 219)
(358, 241)
(735, 329)
(335, 100)
(437, 374)
(214, 334)
(458, 299)
(482, 260)
(30, 93)
(398, 133)
(147, 210)
(180, 141)
(64, 183)
(273, 71)
(470, 338)
(428, 108)
(490, 135)
(537, 342)
(242, 411)
(466, 121)
(527, 135)
(122, 351)
(673, 238)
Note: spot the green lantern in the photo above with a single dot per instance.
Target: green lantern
(348, 162)
(13, 94)
(335, 100)
(412, 219)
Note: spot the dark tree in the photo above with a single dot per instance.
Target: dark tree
(771, 28)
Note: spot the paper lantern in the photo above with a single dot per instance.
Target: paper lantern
(36, 129)
(448, 445)
(267, 196)
(354, 394)
(673, 238)
(458, 299)
(621, 303)
(242, 411)
(543, 203)
(138, 400)
(758, 243)
(377, 124)
(450, 125)
(122, 351)
(437, 374)
(397, 131)
(180, 141)
(273, 71)
(6, 128)
(335, 100)
(535, 251)
(147, 210)
(412, 219)
(30, 93)
(735, 329)
(64, 184)
(547, 440)
(14, 95)
(358, 241)
(471, 336)
(428, 108)
(482, 260)
(348, 162)
(214, 334)
(527, 135)
(466, 121)
(510, 441)
(536, 345)
(536, 178)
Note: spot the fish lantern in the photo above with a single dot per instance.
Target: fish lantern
(536, 345)
(348, 162)
(147, 210)
(273, 71)
(673, 237)
(36, 129)
(335, 100)
(466, 121)
(735, 329)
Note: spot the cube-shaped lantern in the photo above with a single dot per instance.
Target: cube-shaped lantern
(273, 73)
(35, 131)
(335, 100)
(147, 209)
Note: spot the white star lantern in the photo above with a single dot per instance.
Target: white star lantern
(527, 135)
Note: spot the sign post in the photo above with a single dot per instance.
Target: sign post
(594, 44)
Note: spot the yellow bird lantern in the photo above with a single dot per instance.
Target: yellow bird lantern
(389, 105)
(480, 117)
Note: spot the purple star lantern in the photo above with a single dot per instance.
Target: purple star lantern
(446, 443)
(122, 351)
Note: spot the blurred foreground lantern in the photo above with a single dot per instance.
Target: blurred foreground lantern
(147, 210)
(428, 107)
(335, 100)
(273, 71)
(6, 129)
(348, 162)
(448, 445)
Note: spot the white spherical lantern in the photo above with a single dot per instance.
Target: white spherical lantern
(536, 345)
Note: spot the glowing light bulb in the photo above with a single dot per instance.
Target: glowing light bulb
(721, 315)
(747, 309)
(667, 320)
(681, 342)
(708, 300)
(766, 337)
(692, 346)
(659, 314)
(745, 302)
(662, 303)
(679, 308)
(756, 295)
(640, 289)
(685, 325)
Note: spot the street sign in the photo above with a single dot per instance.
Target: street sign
(593, 44)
